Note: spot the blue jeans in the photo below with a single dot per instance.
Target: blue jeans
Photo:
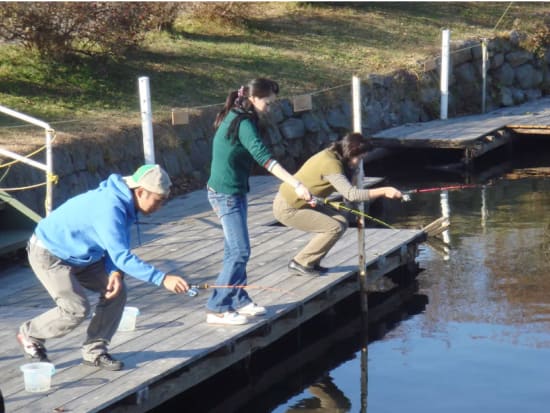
(232, 210)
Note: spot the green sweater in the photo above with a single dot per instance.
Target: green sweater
(232, 162)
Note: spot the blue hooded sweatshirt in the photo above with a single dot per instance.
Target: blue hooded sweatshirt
(96, 225)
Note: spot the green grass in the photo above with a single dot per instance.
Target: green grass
(305, 46)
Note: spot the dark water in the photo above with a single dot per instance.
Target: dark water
(482, 342)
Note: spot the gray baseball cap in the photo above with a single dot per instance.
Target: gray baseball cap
(150, 177)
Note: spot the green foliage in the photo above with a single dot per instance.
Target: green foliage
(61, 30)
(306, 47)
(539, 41)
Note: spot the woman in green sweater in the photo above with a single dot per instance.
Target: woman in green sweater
(325, 172)
(236, 146)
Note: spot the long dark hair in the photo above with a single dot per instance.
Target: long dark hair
(238, 101)
(350, 146)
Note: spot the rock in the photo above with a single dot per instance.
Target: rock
(292, 128)
(527, 76)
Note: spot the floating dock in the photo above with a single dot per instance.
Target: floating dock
(474, 135)
(173, 349)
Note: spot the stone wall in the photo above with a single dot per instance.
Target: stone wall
(514, 76)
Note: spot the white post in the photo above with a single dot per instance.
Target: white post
(356, 93)
(484, 59)
(359, 176)
(49, 172)
(445, 45)
(146, 120)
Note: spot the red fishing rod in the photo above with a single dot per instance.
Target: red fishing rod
(407, 194)
(441, 188)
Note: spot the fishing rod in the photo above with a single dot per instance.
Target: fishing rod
(195, 288)
(341, 206)
(441, 188)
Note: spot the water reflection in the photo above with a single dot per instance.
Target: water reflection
(326, 397)
(497, 268)
(344, 388)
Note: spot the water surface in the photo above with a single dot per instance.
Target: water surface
(482, 343)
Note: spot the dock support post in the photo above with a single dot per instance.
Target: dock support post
(146, 120)
(364, 376)
(357, 127)
(445, 42)
(484, 59)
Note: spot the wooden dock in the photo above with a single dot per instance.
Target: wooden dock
(173, 349)
(475, 135)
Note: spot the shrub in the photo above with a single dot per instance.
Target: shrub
(64, 29)
(236, 13)
(539, 41)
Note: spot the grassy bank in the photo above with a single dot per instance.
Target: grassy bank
(305, 46)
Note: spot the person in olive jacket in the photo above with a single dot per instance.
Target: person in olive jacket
(325, 172)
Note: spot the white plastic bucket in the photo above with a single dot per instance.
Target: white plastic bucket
(129, 318)
(37, 376)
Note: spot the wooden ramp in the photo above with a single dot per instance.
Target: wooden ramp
(17, 223)
(173, 348)
(475, 134)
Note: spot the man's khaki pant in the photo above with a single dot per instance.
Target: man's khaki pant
(328, 224)
(66, 285)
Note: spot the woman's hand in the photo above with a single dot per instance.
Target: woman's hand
(302, 192)
(392, 193)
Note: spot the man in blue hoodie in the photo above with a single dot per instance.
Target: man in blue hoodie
(85, 244)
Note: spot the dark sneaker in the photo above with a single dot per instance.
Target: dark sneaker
(32, 349)
(105, 361)
(297, 269)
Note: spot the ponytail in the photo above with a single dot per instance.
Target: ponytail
(238, 99)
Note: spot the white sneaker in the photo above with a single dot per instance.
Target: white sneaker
(229, 318)
(252, 309)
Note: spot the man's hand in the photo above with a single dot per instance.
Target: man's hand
(114, 285)
(175, 283)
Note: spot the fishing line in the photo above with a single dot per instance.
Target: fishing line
(206, 286)
(340, 206)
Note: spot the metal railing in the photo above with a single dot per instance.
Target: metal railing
(46, 167)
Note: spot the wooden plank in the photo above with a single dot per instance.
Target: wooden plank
(463, 131)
